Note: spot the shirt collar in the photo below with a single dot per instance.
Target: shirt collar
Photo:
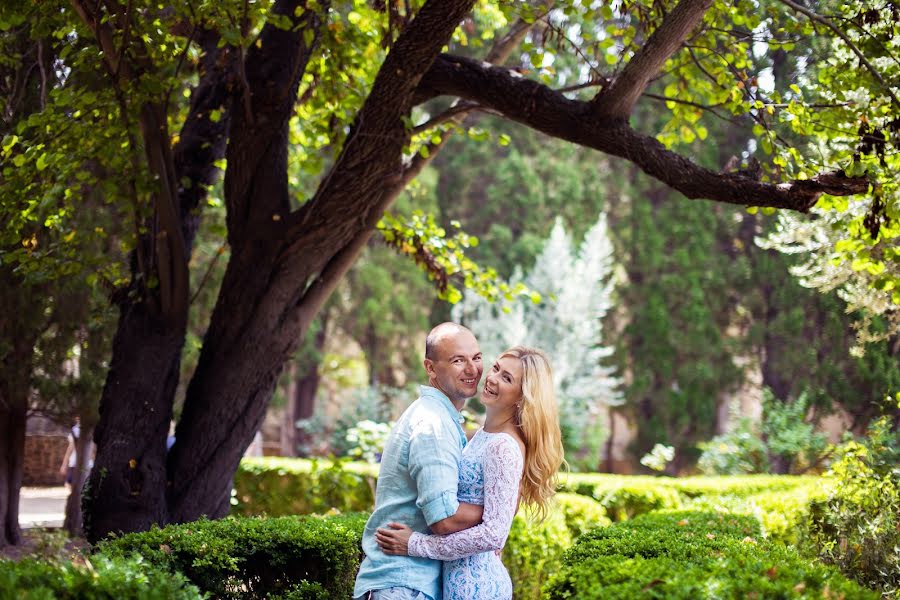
(427, 390)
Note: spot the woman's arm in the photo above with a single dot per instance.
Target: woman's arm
(503, 466)
(467, 515)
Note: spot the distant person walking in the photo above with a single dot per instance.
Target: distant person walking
(70, 459)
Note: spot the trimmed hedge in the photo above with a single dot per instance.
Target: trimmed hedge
(105, 579)
(689, 555)
(286, 557)
(296, 486)
(534, 549)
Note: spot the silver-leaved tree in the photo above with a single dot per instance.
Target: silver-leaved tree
(567, 323)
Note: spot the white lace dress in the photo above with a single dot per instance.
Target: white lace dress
(489, 474)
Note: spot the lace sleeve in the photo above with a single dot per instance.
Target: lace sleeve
(503, 465)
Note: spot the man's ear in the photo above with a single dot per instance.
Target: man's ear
(429, 366)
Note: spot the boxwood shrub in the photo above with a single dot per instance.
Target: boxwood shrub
(689, 555)
(534, 549)
(294, 486)
(102, 578)
(288, 557)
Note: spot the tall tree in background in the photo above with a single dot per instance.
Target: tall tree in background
(567, 323)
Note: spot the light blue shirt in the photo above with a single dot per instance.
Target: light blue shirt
(416, 486)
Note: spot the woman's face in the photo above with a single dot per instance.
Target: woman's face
(503, 384)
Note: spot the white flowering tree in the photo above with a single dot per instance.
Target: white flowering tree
(576, 289)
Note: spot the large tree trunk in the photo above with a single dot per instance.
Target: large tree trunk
(21, 319)
(126, 489)
(283, 266)
(12, 455)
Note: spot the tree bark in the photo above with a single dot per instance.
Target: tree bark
(12, 454)
(21, 320)
(278, 276)
(123, 495)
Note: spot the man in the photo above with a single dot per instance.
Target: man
(420, 468)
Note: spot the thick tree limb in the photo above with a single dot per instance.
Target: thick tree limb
(373, 150)
(548, 111)
(617, 100)
(275, 66)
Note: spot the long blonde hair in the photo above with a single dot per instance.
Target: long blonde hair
(538, 420)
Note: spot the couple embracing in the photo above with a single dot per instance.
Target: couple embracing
(444, 506)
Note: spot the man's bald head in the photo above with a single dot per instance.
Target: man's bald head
(439, 333)
(453, 361)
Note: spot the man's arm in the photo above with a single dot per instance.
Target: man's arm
(467, 515)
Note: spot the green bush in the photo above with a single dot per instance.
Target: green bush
(689, 555)
(294, 486)
(534, 550)
(289, 557)
(581, 513)
(857, 527)
(105, 579)
(627, 501)
(782, 513)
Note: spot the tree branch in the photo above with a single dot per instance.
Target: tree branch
(617, 100)
(548, 111)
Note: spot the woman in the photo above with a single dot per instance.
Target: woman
(515, 456)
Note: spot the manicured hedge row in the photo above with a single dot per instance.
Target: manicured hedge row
(103, 579)
(284, 557)
(534, 550)
(691, 555)
(779, 502)
(294, 486)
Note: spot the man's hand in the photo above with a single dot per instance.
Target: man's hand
(394, 540)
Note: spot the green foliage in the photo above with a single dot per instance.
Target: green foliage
(581, 513)
(785, 436)
(367, 440)
(740, 451)
(691, 554)
(293, 486)
(533, 551)
(857, 527)
(98, 578)
(780, 503)
(301, 557)
(627, 501)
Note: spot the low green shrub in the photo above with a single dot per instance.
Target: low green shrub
(290, 557)
(581, 513)
(533, 550)
(627, 501)
(294, 486)
(782, 513)
(857, 527)
(101, 579)
(689, 555)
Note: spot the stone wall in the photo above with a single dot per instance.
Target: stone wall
(43, 456)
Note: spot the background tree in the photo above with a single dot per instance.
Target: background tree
(565, 322)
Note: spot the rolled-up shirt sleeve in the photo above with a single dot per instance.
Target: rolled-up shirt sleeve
(434, 464)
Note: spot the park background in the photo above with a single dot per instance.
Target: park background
(689, 337)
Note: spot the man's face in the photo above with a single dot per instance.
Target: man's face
(457, 368)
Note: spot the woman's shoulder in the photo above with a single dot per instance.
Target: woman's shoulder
(506, 439)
